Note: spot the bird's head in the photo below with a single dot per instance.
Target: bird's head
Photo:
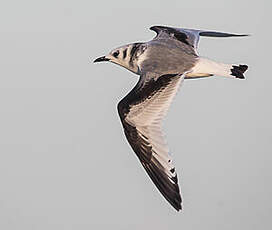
(125, 56)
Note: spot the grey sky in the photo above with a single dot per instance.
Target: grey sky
(64, 160)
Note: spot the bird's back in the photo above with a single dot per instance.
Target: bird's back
(167, 56)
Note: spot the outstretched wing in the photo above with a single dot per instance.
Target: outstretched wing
(189, 37)
(141, 113)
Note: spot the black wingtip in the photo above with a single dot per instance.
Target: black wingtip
(238, 71)
(220, 34)
(178, 206)
(169, 190)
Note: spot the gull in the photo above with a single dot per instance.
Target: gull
(162, 63)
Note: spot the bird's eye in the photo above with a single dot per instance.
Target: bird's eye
(115, 54)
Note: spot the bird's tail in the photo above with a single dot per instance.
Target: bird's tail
(206, 67)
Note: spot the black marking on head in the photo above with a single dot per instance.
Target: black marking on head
(180, 36)
(133, 52)
(116, 53)
(172, 170)
(124, 53)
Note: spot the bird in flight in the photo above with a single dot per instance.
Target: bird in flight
(162, 63)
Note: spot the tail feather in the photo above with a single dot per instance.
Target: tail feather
(206, 67)
(238, 71)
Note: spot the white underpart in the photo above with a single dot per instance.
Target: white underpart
(205, 66)
(147, 117)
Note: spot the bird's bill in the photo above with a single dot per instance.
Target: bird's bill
(103, 58)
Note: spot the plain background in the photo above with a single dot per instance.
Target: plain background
(64, 160)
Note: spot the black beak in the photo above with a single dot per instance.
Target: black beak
(101, 59)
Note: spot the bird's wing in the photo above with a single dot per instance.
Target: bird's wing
(189, 37)
(141, 113)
